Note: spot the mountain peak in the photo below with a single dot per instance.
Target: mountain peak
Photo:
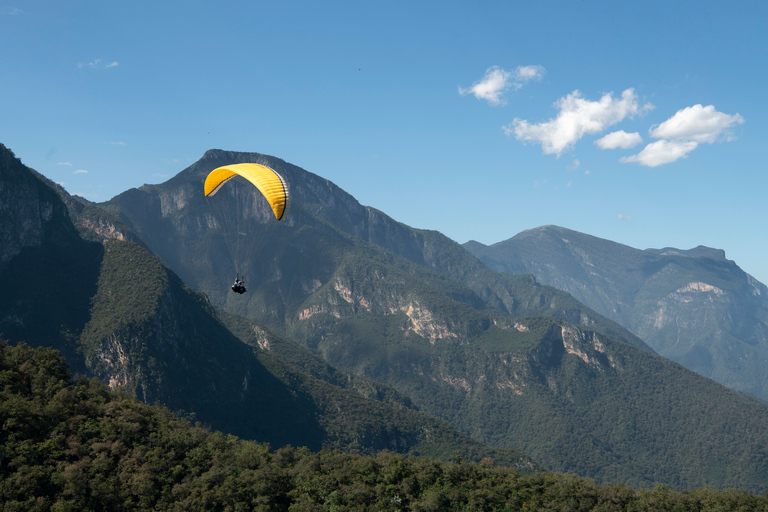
(548, 230)
(219, 154)
(700, 251)
(474, 244)
(6, 152)
(545, 228)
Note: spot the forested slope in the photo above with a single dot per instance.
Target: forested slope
(76, 445)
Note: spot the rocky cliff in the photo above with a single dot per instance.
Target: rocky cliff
(30, 211)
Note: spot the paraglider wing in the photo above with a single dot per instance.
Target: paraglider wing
(269, 183)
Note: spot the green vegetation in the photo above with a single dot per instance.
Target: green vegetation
(356, 414)
(621, 415)
(130, 285)
(167, 344)
(78, 446)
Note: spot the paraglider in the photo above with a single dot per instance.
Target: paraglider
(241, 219)
(238, 287)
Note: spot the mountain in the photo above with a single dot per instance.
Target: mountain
(326, 229)
(48, 273)
(500, 357)
(118, 314)
(693, 306)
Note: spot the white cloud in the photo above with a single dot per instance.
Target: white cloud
(661, 152)
(497, 81)
(525, 74)
(619, 139)
(98, 64)
(64, 163)
(10, 11)
(80, 171)
(683, 132)
(697, 123)
(577, 117)
(118, 143)
(624, 218)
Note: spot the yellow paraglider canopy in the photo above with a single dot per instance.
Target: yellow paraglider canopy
(265, 179)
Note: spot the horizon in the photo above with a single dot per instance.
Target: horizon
(639, 124)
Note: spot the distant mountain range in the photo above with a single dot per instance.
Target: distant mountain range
(692, 306)
(353, 329)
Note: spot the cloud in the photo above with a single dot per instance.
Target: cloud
(683, 132)
(661, 152)
(64, 163)
(118, 143)
(525, 74)
(697, 123)
(497, 81)
(10, 11)
(80, 171)
(624, 218)
(575, 165)
(619, 139)
(98, 64)
(577, 117)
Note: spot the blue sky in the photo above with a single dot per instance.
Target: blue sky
(640, 122)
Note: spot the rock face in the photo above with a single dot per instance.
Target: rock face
(47, 271)
(30, 212)
(693, 306)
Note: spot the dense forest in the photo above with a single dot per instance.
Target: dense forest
(72, 444)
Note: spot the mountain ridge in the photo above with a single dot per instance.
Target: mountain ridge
(694, 306)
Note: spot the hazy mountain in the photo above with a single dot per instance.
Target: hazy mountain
(693, 306)
(119, 314)
(413, 309)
